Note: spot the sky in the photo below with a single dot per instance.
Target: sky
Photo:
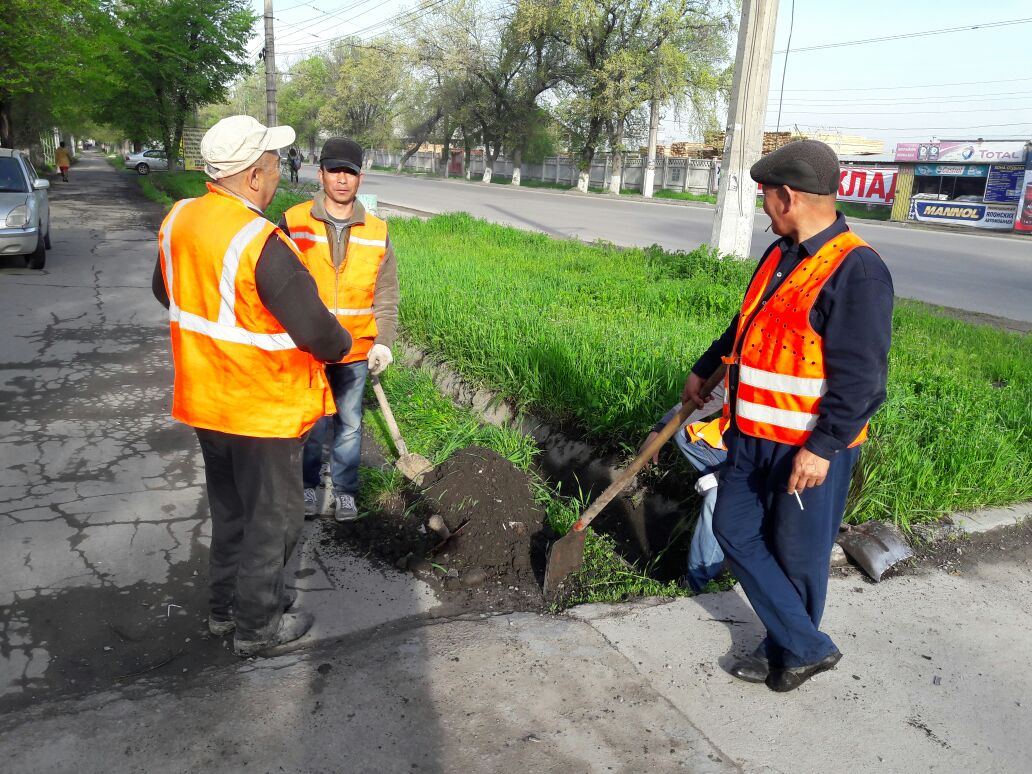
(961, 84)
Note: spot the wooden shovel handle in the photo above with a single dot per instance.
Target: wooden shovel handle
(645, 454)
(388, 415)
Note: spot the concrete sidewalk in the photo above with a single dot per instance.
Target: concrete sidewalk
(105, 665)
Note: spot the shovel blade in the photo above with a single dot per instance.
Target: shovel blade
(875, 546)
(414, 467)
(565, 557)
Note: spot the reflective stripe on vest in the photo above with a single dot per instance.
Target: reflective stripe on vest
(237, 370)
(346, 290)
(780, 358)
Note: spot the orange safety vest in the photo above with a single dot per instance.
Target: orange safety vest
(236, 368)
(711, 431)
(780, 357)
(348, 290)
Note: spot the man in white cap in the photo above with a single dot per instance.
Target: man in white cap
(249, 340)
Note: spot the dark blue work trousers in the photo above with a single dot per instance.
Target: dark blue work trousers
(779, 553)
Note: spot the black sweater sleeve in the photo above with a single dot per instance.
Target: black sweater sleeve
(158, 284)
(289, 292)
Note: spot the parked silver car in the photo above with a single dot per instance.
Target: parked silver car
(24, 209)
(147, 161)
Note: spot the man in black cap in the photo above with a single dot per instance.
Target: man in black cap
(807, 363)
(348, 252)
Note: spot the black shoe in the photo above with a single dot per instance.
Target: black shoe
(753, 668)
(790, 678)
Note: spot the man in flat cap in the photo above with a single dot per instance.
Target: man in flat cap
(348, 251)
(807, 360)
(249, 340)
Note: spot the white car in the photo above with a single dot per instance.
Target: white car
(24, 209)
(147, 161)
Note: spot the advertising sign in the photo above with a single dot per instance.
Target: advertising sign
(192, 147)
(869, 185)
(988, 216)
(962, 152)
(1004, 183)
(951, 170)
(1023, 221)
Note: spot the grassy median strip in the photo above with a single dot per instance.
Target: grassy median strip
(603, 337)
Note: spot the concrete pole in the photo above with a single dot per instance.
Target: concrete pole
(270, 68)
(736, 198)
(650, 165)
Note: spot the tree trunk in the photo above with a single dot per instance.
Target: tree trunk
(489, 161)
(617, 176)
(649, 179)
(446, 149)
(420, 135)
(586, 157)
(6, 126)
(517, 161)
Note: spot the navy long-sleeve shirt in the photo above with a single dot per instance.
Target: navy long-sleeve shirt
(853, 315)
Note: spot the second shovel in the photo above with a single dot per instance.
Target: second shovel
(411, 466)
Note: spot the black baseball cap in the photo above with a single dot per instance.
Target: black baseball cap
(341, 153)
(805, 165)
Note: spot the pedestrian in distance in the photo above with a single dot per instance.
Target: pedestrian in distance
(249, 339)
(807, 363)
(63, 160)
(348, 251)
(701, 443)
(294, 162)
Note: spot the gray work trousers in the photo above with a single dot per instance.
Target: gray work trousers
(257, 511)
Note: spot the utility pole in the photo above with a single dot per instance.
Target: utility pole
(743, 145)
(270, 68)
(650, 164)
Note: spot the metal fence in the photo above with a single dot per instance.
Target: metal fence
(697, 176)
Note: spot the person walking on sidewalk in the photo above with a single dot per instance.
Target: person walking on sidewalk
(808, 364)
(294, 162)
(249, 337)
(349, 254)
(701, 443)
(63, 160)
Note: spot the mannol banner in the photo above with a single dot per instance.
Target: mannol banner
(868, 185)
(974, 214)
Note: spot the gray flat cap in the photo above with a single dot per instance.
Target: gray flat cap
(805, 165)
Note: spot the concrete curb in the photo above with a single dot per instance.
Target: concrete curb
(986, 519)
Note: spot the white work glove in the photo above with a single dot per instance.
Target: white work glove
(379, 358)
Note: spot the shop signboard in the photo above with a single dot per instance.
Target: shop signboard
(951, 170)
(1004, 183)
(1023, 220)
(962, 152)
(868, 185)
(973, 214)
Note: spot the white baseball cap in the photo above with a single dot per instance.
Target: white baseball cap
(235, 143)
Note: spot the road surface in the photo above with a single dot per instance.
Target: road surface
(985, 273)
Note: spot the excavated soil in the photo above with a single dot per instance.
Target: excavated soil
(495, 557)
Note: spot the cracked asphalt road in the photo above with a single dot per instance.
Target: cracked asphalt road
(103, 562)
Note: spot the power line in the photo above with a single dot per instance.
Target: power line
(915, 128)
(904, 36)
(804, 111)
(914, 86)
(1000, 96)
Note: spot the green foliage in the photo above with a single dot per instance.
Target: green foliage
(604, 337)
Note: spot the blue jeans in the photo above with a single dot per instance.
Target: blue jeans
(347, 382)
(704, 556)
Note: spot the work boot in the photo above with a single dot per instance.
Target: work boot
(789, 678)
(311, 503)
(292, 626)
(345, 508)
(222, 626)
(753, 668)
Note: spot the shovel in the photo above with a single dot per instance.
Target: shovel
(411, 466)
(566, 555)
(875, 546)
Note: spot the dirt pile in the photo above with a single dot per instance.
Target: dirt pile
(494, 557)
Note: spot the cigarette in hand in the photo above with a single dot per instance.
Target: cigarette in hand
(799, 500)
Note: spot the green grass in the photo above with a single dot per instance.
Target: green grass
(603, 338)
(866, 211)
(685, 196)
(167, 189)
(435, 427)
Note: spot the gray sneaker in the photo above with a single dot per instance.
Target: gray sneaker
(311, 504)
(292, 626)
(344, 508)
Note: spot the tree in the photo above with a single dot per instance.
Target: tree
(44, 61)
(623, 53)
(307, 88)
(176, 55)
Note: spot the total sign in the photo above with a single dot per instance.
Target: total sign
(981, 152)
